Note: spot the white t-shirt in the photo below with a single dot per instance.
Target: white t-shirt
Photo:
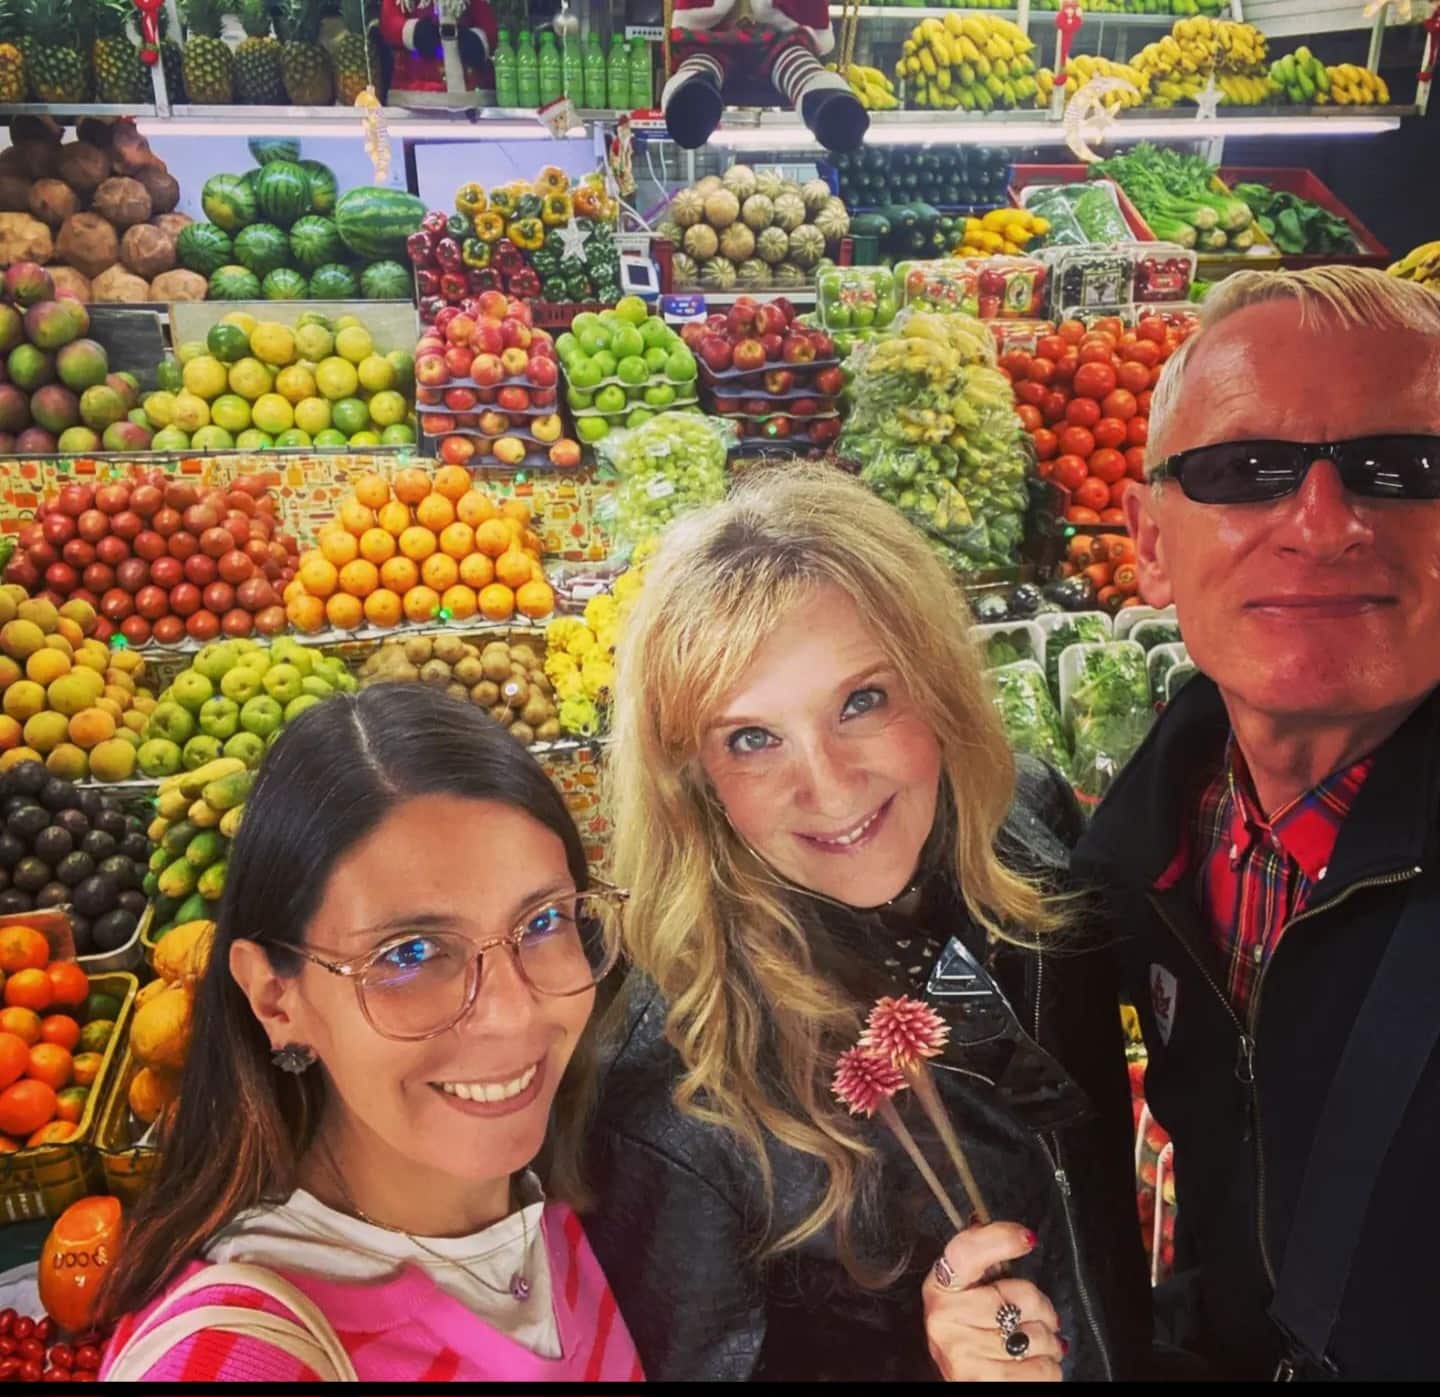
(302, 1234)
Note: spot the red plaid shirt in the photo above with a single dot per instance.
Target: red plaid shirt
(1252, 875)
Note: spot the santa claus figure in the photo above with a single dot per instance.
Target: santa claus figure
(438, 46)
(757, 53)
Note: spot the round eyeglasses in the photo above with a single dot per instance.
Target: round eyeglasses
(419, 983)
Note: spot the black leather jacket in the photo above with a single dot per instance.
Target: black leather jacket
(681, 1207)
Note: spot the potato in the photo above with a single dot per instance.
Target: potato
(162, 187)
(172, 223)
(67, 279)
(52, 201)
(179, 285)
(117, 284)
(24, 239)
(123, 201)
(147, 251)
(84, 167)
(88, 243)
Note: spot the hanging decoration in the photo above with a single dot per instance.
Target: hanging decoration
(1068, 20)
(1087, 117)
(377, 133)
(149, 30)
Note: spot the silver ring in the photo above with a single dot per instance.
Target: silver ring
(1007, 1318)
(944, 1276)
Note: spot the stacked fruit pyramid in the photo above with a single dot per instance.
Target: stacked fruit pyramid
(971, 63)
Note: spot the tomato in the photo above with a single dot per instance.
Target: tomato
(1145, 352)
(1082, 412)
(1078, 514)
(1054, 406)
(1092, 352)
(1120, 403)
(1119, 490)
(1016, 362)
(1093, 494)
(1028, 392)
(1072, 331)
(1071, 471)
(1065, 367)
(1151, 327)
(1029, 416)
(1109, 431)
(1077, 441)
(1094, 380)
(1006, 375)
(1047, 444)
(1135, 463)
(1044, 469)
(1142, 403)
(1040, 371)
(1137, 430)
(1097, 574)
(1108, 325)
(1113, 515)
(1050, 347)
(1107, 464)
(1134, 377)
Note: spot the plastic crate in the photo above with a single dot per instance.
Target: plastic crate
(1307, 185)
(125, 1163)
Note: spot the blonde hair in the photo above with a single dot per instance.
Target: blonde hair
(1345, 297)
(708, 921)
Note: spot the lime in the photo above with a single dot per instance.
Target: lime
(388, 408)
(273, 344)
(160, 408)
(242, 318)
(633, 309)
(170, 439)
(212, 438)
(273, 414)
(353, 342)
(227, 343)
(100, 1006)
(95, 1036)
(231, 412)
(365, 439)
(191, 413)
(250, 378)
(205, 377)
(404, 365)
(312, 415)
(295, 383)
(314, 341)
(376, 374)
(337, 378)
(294, 437)
(398, 434)
(350, 415)
(253, 439)
(191, 349)
(330, 437)
(168, 376)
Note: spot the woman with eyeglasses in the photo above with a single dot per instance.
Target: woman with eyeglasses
(371, 1170)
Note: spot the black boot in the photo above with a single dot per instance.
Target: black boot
(837, 119)
(692, 104)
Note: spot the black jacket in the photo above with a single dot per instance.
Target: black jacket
(681, 1207)
(1241, 1099)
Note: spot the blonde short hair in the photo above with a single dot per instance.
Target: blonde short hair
(1347, 297)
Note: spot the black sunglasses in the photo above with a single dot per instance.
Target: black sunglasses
(1399, 467)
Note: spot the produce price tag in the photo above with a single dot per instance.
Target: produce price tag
(660, 488)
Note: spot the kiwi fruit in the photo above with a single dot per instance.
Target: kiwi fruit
(435, 672)
(457, 691)
(549, 730)
(522, 733)
(417, 649)
(496, 666)
(468, 671)
(449, 648)
(486, 693)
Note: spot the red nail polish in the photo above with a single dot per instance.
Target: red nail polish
(1031, 1240)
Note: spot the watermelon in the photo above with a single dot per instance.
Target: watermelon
(314, 241)
(282, 190)
(234, 284)
(203, 248)
(323, 189)
(262, 247)
(332, 282)
(375, 222)
(386, 281)
(228, 202)
(285, 284)
(268, 148)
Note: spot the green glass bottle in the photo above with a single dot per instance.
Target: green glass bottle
(552, 84)
(617, 75)
(642, 95)
(527, 71)
(594, 72)
(507, 93)
(572, 67)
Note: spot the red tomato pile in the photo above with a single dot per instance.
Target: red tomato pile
(1084, 397)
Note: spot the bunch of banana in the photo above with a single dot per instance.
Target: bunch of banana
(1181, 64)
(1353, 86)
(874, 89)
(1421, 264)
(1302, 78)
(1000, 232)
(969, 63)
(1086, 66)
(1245, 91)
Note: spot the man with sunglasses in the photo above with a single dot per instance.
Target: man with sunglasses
(1272, 854)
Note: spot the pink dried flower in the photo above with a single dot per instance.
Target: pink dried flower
(864, 1082)
(904, 1031)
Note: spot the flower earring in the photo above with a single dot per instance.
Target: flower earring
(295, 1058)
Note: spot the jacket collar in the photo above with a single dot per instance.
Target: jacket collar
(1138, 828)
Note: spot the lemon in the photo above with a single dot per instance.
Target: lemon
(351, 415)
(242, 318)
(273, 344)
(160, 408)
(212, 438)
(273, 414)
(191, 413)
(250, 378)
(376, 373)
(353, 342)
(348, 322)
(294, 437)
(191, 349)
(337, 378)
(365, 439)
(400, 434)
(295, 383)
(253, 439)
(388, 408)
(204, 377)
(330, 437)
(314, 342)
(312, 415)
(230, 411)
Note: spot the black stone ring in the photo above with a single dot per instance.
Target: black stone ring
(1017, 1345)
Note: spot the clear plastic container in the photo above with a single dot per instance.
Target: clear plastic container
(989, 288)
(1064, 628)
(1164, 272)
(1009, 642)
(1028, 715)
(1131, 616)
(1156, 632)
(1159, 662)
(1106, 708)
(1086, 279)
(1178, 677)
(857, 298)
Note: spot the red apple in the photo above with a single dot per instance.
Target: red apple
(514, 361)
(692, 332)
(487, 370)
(182, 544)
(829, 382)
(180, 494)
(822, 344)
(458, 359)
(270, 621)
(803, 407)
(430, 369)
(127, 524)
(149, 545)
(715, 352)
(773, 346)
(98, 578)
(779, 381)
(132, 575)
(78, 553)
(460, 399)
(237, 622)
(486, 338)
(165, 521)
(741, 321)
(770, 320)
(797, 349)
(749, 354)
(146, 500)
(152, 602)
(255, 594)
(456, 450)
(515, 332)
(237, 525)
(235, 567)
(257, 550)
(826, 430)
(168, 630)
(542, 373)
(458, 328)
(201, 569)
(513, 399)
(112, 550)
(136, 629)
(240, 502)
(22, 572)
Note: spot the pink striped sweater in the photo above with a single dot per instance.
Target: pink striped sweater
(406, 1329)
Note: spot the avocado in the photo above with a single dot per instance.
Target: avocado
(75, 868)
(58, 794)
(112, 822)
(12, 850)
(13, 900)
(134, 825)
(52, 895)
(114, 929)
(75, 822)
(118, 867)
(11, 804)
(28, 821)
(135, 846)
(26, 779)
(98, 844)
(80, 930)
(96, 895)
(53, 844)
(132, 900)
(30, 874)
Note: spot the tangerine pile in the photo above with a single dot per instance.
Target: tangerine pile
(48, 1062)
(408, 550)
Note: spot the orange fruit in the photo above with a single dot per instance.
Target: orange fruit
(474, 507)
(25, 1107)
(22, 948)
(514, 568)
(23, 1023)
(359, 578)
(14, 1058)
(70, 1104)
(29, 989)
(477, 571)
(399, 575)
(61, 1030)
(344, 612)
(319, 575)
(373, 491)
(55, 1133)
(354, 516)
(150, 1093)
(376, 546)
(492, 538)
(460, 602)
(531, 542)
(518, 510)
(92, 727)
(394, 518)
(293, 588)
(383, 608)
(51, 1064)
(417, 543)
(457, 539)
(435, 512)
(535, 599)
(87, 1068)
(439, 571)
(453, 482)
(411, 485)
(68, 983)
(339, 547)
(306, 614)
(9, 1146)
(497, 602)
(421, 604)
(9, 732)
(83, 1242)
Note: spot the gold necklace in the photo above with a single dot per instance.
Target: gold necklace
(519, 1287)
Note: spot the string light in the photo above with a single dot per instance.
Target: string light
(444, 613)
(118, 641)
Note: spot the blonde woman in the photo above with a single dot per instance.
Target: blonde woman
(812, 796)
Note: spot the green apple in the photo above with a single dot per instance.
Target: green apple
(258, 660)
(192, 690)
(220, 718)
(655, 358)
(215, 661)
(313, 684)
(261, 715)
(298, 705)
(283, 683)
(681, 365)
(288, 650)
(611, 398)
(159, 757)
(172, 722)
(240, 684)
(579, 399)
(200, 749)
(245, 747)
(661, 395)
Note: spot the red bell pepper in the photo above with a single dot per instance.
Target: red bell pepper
(448, 255)
(420, 248)
(453, 287)
(427, 281)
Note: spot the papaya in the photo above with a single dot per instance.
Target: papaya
(212, 882)
(171, 804)
(156, 830)
(228, 791)
(193, 783)
(202, 815)
(179, 879)
(178, 836)
(207, 847)
(160, 1031)
(182, 955)
(230, 821)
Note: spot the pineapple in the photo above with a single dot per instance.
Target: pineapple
(257, 59)
(54, 60)
(357, 62)
(119, 74)
(304, 64)
(208, 65)
(172, 59)
(12, 61)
